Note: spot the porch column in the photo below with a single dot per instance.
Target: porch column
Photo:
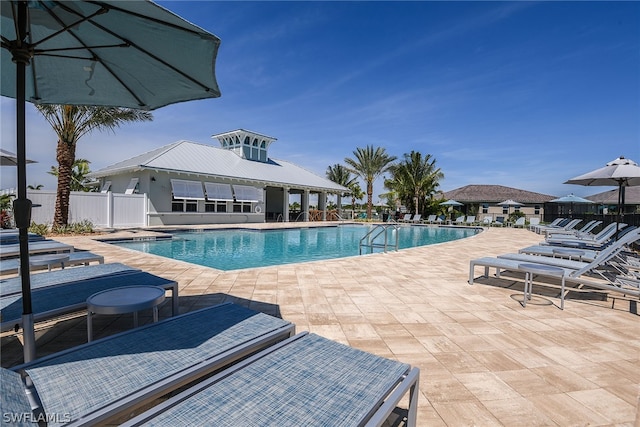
(339, 208)
(322, 204)
(285, 204)
(305, 205)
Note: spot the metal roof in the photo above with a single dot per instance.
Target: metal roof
(186, 157)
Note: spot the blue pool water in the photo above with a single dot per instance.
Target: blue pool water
(234, 249)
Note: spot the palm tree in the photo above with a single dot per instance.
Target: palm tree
(369, 164)
(35, 187)
(70, 123)
(414, 179)
(356, 194)
(342, 176)
(79, 173)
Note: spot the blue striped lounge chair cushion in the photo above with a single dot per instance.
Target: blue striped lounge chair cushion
(102, 372)
(311, 382)
(14, 405)
(73, 294)
(58, 277)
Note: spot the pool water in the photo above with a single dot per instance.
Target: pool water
(233, 249)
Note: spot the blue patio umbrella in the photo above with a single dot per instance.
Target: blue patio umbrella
(132, 54)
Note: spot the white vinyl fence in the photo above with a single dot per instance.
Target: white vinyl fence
(104, 210)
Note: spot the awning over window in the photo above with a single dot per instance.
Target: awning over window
(217, 191)
(245, 193)
(187, 189)
(105, 188)
(131, 188)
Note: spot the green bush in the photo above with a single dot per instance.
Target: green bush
(82, 227)
(41, 229)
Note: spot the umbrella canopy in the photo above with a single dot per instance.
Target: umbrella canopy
(620, 172)
(571, 198)
(7, 158)
(132, 54)
(451, 203)
(510, 203)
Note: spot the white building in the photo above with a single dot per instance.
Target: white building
(194, 183)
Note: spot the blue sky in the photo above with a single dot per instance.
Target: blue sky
(520, 94)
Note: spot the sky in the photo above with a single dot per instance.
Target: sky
(520, 94)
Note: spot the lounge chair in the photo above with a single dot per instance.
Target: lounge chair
(487, 220)
(306, 380)
(598, 240)
(109, 378)
(431, 219)
(520, 222)
(13, 285)
(10, 237)
(569, 226)
(573, 271)
(459, 220)
(499, 221)
(558, 252)
(416, 218)
(440, 219)
(583, 232)
(533, 223)
(54, 294)
(75, 258)
(471, 220)
(553, 224)
(582, 251)
(37, 247)
(406, 218)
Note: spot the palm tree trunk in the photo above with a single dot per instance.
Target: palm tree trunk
(369, 198)
(65, 155)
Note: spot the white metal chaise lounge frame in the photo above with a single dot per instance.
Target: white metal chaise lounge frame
(36, 247)
(571, 274)
(75, 258)
(106, 379)
(596, 240)
(306, 381)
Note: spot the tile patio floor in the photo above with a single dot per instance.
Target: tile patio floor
(484, 359)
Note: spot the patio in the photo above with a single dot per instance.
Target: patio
(484, 359)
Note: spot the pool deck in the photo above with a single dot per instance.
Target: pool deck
(484, 359)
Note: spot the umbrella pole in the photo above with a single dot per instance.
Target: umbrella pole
(22, 205)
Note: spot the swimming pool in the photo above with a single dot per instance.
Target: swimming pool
(233, 249)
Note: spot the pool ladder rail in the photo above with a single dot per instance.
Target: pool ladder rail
(371, 240)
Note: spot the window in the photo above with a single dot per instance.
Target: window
(536, 210)
(132, 187)
(246, 193)
(184, 206)
(218, 206)
(191, 190)
(216, 191)
(186, 195)
(485, 208)
(105, 187)
(505, 210)
(242, 207)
